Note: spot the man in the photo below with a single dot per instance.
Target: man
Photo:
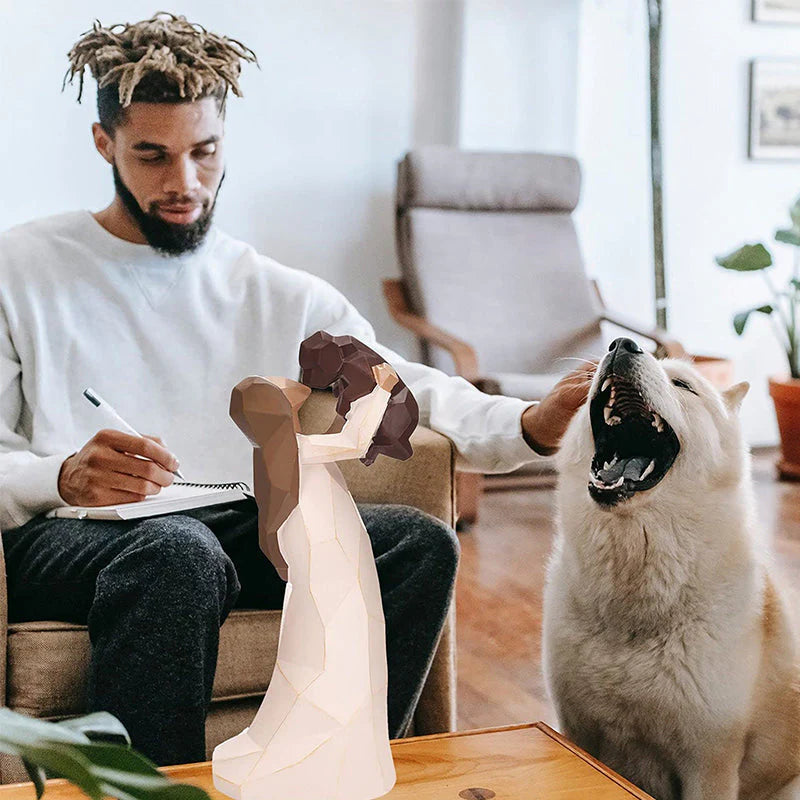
(162, 313)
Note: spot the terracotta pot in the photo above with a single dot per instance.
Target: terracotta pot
(786, 396)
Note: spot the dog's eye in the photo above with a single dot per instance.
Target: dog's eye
(683, 385)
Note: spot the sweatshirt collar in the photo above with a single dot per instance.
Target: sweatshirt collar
(112, 247)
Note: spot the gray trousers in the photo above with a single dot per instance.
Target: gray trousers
(155, 591)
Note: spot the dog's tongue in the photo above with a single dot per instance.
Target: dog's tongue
(629, 468)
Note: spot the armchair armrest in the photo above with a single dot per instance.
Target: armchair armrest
(671, 347)
(3, 624)
(463, 354)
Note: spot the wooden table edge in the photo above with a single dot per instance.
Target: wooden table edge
(175, 771)
(541, 726)
(598, 765)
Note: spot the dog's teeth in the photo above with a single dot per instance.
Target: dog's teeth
(606, 384)
(650, 467)
(614, 420)
(607, 414)
(610, 464)
(658, 423)
(595, 481)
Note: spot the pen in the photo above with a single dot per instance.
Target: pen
(95, 399)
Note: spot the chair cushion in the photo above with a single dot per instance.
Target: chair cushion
(445, 177)
(48, 661)
(511, 284)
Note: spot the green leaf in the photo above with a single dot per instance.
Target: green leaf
(788, 236)
(99, 727)
(18, 729)
(67, 762)
(37, 775)
(747, 258)
(794, 213)
(740, 320)
(128, 775)
(116, 757)
(98, 768)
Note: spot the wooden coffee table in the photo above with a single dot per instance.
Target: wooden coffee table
(521, 762)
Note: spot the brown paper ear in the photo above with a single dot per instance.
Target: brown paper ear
(733, 397)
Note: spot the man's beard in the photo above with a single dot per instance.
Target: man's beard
(168, 238)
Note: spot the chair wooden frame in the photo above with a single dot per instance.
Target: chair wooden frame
(465, 362)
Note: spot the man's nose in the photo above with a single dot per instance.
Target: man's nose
(182, 178)
(624, 345)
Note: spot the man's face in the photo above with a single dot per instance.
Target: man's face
(168, 167)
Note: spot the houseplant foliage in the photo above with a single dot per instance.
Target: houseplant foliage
(92, 752)
(783, 309)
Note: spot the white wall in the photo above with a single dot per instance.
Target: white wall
(520, 75)
(612, 134)
(438, 71)
(715, 197)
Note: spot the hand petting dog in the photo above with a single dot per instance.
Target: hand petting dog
(545, 423)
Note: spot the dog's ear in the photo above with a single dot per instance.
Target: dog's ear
(733, 397)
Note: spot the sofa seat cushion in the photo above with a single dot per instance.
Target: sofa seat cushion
(48, 662)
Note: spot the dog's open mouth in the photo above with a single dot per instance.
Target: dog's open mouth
(634, 446)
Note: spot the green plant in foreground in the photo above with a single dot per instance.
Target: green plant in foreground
(93, 752)
(783, 311)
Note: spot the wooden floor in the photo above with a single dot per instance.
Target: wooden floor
(499, 594)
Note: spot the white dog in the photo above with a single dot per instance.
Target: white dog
(669, 650)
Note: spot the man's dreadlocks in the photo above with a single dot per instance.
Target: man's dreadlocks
(164, 59)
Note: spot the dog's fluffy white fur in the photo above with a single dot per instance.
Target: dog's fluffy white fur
(669, 649)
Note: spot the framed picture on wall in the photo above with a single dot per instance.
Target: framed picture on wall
(787, 11)
(775, 110)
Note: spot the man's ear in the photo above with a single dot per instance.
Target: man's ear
(733, 397)
(103, 142)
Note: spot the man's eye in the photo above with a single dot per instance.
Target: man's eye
(151, 160)
(207, 153)
(683, 385)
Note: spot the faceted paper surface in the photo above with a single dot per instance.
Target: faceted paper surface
(321, 732)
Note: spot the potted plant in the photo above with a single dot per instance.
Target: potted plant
(784, 313)
(93, 752)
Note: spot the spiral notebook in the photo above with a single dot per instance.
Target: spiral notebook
(180, 496)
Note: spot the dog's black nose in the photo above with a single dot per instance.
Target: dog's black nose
(623, 345)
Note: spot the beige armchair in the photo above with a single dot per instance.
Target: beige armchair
(43, 665)
(493, 282)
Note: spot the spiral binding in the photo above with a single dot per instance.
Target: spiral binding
(235, 485)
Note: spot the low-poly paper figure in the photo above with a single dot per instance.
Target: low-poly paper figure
(321, 732)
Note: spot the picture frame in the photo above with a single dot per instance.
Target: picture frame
(774, 110)
(785, 12)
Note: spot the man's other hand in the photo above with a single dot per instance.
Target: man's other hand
(105, 471)
(544, 424)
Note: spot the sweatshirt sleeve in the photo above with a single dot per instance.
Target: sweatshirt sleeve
(28, 482)
(485, 429)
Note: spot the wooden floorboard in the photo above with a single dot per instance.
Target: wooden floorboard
(499, 594)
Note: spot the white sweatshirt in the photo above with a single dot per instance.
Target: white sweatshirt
(164, 340)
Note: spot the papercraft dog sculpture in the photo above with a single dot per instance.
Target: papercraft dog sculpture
(321, 732)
